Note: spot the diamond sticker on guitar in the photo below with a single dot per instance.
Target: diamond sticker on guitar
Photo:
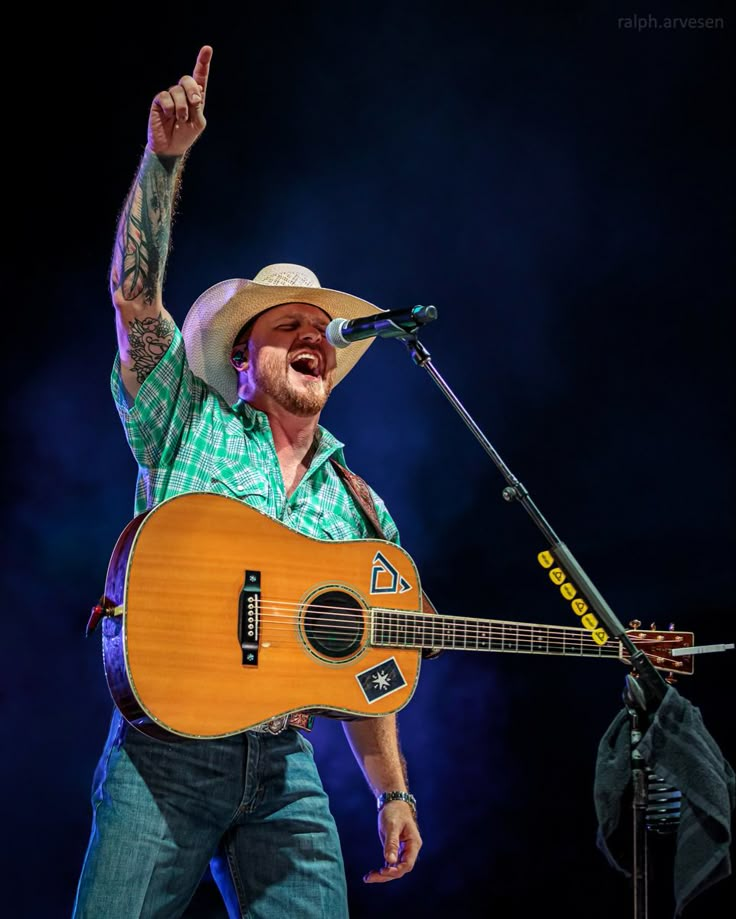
(385, 579)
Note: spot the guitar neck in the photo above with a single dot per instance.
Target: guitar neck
(396, 629)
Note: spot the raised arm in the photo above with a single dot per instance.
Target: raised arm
(144, 328)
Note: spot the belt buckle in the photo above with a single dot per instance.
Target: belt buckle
(277, 725)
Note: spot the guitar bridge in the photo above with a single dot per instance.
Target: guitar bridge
(249, 615)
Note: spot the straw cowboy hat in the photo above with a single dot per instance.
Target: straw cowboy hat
(218, 315)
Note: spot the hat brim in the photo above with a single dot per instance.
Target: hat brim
(219, 313)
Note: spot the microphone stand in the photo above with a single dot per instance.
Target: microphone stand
(655, 685)
(649, 690)
(635, 704)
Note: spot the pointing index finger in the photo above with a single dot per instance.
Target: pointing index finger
(202, 68)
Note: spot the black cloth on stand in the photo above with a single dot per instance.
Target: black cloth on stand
(678, 748)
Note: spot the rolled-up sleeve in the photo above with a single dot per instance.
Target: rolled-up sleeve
(156, 418)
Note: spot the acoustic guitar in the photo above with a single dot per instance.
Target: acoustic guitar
(217, 618)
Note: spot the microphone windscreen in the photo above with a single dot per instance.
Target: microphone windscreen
(333, 333)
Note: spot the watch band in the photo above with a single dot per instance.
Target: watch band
(383, 799)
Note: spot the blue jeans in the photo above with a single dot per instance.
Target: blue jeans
(252, 806)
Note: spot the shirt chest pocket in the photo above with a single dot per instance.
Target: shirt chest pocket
(339, 529)
(248, 484)
(336, 523)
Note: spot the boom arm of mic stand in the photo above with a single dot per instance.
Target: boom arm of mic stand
(515, 491)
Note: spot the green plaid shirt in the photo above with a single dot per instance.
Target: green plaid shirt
(185, 437)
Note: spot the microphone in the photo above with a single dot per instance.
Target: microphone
(389, 324)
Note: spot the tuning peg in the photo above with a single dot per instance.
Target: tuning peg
(653, 627)
(671, 627)
(635, 624)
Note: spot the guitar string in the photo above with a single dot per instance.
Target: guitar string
(336, 626)
(413, 615)
(285, 636)
(409, 618)
(343, 613)
(555, 637)
(435, 628)
(467, 642)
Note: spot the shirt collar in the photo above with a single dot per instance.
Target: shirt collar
(255, 419)
(252, 417)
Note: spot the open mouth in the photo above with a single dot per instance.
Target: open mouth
(307, 364)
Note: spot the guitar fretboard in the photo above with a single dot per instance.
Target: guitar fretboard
(396, 629)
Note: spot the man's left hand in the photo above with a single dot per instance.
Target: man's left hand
(399, 834)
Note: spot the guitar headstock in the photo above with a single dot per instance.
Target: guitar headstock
(658, 645)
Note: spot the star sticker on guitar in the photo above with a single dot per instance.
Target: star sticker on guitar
(381, 680)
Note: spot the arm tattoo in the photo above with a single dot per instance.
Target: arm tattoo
(142, 241)
(149, 339)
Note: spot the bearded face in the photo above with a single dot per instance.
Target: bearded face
(297, 382)
(289, 362)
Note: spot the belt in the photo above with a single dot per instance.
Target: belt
(301, 720)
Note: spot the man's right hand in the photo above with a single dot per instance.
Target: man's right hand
(177, 114)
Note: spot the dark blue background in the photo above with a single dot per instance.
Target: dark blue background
(562, 190)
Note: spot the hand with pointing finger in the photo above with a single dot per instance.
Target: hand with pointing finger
(177, 117)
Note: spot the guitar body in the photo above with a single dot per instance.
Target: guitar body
(176, 640)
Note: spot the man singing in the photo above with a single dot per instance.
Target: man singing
(230, 405)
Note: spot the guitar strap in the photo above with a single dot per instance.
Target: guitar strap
(363, 498)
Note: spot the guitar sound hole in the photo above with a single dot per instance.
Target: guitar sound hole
(334, 625)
